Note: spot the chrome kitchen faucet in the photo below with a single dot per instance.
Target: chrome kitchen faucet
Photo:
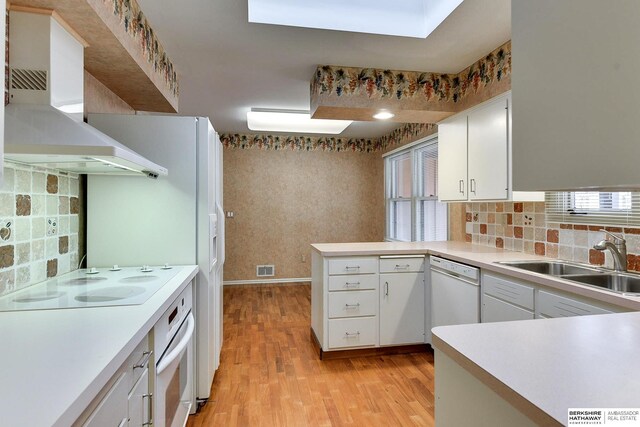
(617, 247)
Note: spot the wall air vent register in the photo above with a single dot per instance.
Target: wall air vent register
(265, 270)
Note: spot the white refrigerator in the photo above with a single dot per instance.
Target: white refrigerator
(175, 219)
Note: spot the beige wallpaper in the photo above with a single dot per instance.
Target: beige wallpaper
(285, 200)
(99, 99)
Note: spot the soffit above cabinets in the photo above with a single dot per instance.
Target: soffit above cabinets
(122, 53)
(352, 93)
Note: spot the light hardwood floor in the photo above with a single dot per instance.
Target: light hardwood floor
(270, 374)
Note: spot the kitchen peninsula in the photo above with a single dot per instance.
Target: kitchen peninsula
(532, 371)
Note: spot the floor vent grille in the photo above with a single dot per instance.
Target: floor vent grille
(265, 270)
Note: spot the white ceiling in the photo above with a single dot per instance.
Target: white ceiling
(227, 65)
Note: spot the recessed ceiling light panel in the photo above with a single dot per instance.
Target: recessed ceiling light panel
(408, 18)
(292, 121)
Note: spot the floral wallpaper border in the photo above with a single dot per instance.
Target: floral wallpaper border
(297, 143)
(402, 85)
(138, 28)
(407, 133)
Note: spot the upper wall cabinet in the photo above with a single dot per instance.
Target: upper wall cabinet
(576, 97)
(473, 153)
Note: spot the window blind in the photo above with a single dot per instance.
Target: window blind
(427, 171)
(581, 207)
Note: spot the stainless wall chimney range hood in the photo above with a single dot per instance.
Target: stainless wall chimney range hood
(43, 121)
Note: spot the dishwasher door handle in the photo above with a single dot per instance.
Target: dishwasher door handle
(455, 276)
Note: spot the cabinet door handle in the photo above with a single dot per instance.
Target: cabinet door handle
(461, 186)
(472, 187)
(348, 306)
(386, 289)
(351, 334)
(145, 359)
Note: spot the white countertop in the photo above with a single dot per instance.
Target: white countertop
(54, 362)
(544, 367)
(483, 257)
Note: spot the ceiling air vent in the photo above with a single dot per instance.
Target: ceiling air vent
(265, 270)
(28, 79)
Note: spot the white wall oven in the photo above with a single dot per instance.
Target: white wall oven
(174, 383)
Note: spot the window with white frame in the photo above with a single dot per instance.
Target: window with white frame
(411, 182)
(592, 207)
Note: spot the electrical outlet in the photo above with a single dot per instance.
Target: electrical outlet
(303, 258)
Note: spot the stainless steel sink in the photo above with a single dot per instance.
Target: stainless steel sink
(616, 282)
(624, 283)
(553, 268)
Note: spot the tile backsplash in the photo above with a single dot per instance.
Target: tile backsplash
(523, 227)
(38, 225)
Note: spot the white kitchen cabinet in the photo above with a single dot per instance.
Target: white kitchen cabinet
(505, 300)
(576, 115)
(354, 332)
(401, 308)
(497, 310)
(344, 301)
(551, 305)
(488, 151)
(139, 402)
(125, 400)
(112, 409)
(474, 154)
(452, 159)
(367, 301)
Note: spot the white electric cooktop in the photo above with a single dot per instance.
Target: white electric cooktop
(96, 287)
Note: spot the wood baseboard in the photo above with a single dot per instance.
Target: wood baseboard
(366, 352)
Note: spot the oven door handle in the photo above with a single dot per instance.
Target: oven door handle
(177, 351)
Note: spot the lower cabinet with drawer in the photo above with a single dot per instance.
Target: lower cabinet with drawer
(402, 300)
(550, 305)
(504, 300)
(367, 302)
(353, 332)
(125, 400)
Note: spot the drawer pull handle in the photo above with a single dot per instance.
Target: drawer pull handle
(354, 267)
(348, 306)
(386, 289)
(145, 358)
(347, 284)
(351, 334)
(403, 266)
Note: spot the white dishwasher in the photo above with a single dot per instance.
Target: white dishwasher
(455, 293)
